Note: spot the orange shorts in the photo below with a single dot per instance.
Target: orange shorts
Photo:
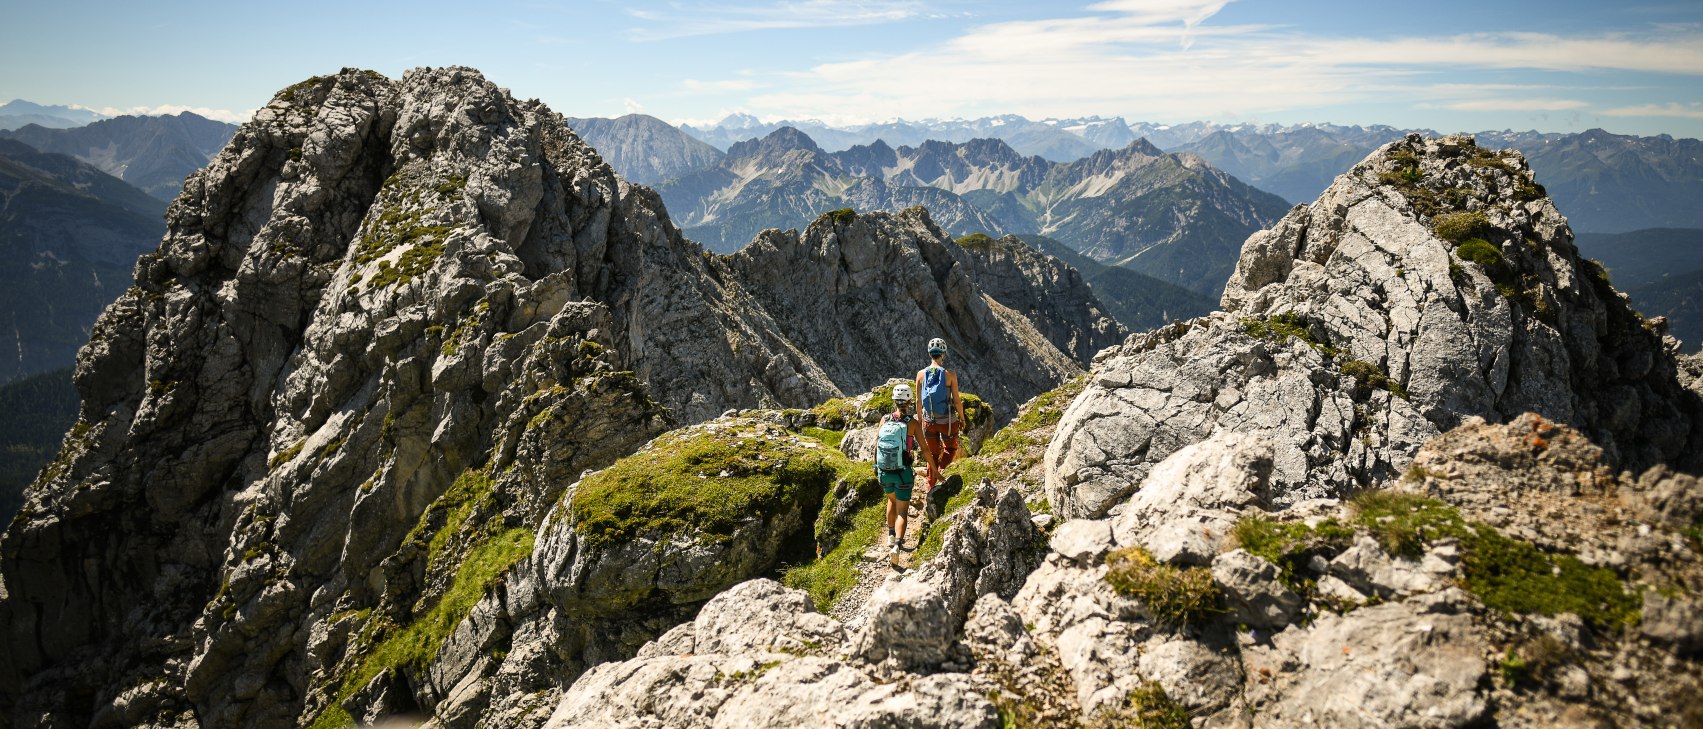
(941, 439)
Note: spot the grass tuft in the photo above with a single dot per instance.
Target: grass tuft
(1177, 595)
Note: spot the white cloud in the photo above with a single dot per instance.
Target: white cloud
(696, 86)
(686, 20)
(1166, 60)
(632, 107)
(1683, 111)
(1515, 104)
(224, 115)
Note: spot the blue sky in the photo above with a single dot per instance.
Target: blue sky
(1629, 67)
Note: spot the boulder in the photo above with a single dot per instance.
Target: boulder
(1252, 591)
(1186, 507)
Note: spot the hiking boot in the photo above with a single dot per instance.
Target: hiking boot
(895, 548)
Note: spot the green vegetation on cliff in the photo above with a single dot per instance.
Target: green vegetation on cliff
(705, 480)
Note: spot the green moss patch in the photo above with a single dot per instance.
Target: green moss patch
(843, 216)
(1369, 376)
(1506, 574)
(1459, 226)
(1046, 410)
(1291, 545)
(470, 491)
(1284, 326)
(416, 645)
(1177, 595)
(707, 482)
(830, 438)
(976, 241)
(396, 228)
(1402, 522)
(1516, 577)
(935, 536)
(286, 455)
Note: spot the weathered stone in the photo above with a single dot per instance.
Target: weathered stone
(1185, 509)
(1252, 591)
(1083, 540)
(1379, 666)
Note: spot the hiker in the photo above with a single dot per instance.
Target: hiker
(895, 445)
(941, 410)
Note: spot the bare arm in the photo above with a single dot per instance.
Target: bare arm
(957, 400)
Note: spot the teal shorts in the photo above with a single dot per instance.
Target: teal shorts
(898, 483)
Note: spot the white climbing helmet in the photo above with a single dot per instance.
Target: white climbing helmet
(902, 393)
(937, 346)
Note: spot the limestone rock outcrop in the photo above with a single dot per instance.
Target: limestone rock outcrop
(758, 656)
(1431, 283)
(389, 327)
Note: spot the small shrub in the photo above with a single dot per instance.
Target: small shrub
(1457, 227)
(1535, 661)
(1146, 707)
(843, 216)
(975, 240)
(1368, 375)
(1178, 595)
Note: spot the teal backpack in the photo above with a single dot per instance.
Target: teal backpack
(890, 444)
(936, 396)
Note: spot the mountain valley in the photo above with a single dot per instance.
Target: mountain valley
(418, 409)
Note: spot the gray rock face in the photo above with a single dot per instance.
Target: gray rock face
(1400, 664)
(1187, 505)
(388, 328)
(756, 656)
(1354, 333)
(1256, 598)
(863, 297)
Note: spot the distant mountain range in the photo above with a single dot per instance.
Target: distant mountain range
(1173, 217)
(154, 153)
(71, 234)
(1603, 182)
(17, 113)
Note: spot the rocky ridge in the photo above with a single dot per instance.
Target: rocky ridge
(1510, 573)
(1431, 283)
(331, 439)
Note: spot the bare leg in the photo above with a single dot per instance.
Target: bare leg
(904, 519)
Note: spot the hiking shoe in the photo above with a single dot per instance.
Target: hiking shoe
(895, 548)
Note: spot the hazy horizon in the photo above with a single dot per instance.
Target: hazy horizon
(1551, 67)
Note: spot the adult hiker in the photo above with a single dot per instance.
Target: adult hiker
(895, 445)
(941, 410)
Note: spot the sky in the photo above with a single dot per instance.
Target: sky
(1630, 67)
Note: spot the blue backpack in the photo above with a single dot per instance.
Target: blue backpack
(890, 444)
(936, 396)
